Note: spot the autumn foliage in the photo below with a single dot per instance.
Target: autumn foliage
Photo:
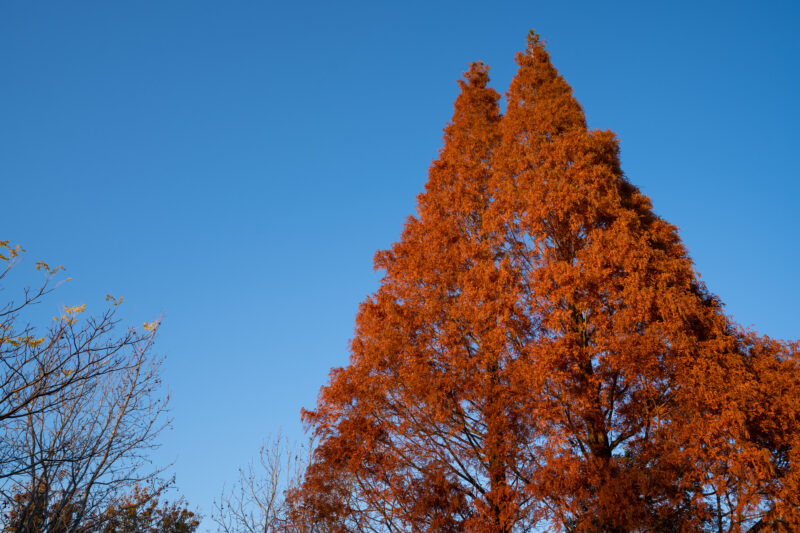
(541, 354)
(140, 511)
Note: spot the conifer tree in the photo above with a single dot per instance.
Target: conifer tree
(425, 384)
(542, 355)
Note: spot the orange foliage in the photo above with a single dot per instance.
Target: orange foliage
(542, 355)
(142, 512)
(139, 511)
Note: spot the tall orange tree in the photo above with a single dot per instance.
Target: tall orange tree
(542, 355)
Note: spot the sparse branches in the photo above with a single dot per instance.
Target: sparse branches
(80, 410)
(258, 502)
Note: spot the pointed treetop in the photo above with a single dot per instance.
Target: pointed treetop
(534, 39)
(476, 76)
(541, 349)
(540, 101)
(469, 138)
(476, 97)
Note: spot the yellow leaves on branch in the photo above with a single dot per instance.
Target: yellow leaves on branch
(41, 265)
(75, 309)
(114, 301)
(151, 326)
(69, 314)
(18, 340)
(24, 340)
(10, 251)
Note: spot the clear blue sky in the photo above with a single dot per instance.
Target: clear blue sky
(234, 165)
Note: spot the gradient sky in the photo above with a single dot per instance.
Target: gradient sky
(235, 165)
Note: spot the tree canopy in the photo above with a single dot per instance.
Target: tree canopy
(81, 410)
(542, 354)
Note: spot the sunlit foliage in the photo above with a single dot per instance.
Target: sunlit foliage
(542, 355)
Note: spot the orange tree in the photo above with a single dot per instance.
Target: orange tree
(542, 355)
(139, 511)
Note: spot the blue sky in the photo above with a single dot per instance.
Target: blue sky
(235, 165)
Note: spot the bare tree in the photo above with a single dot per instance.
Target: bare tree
(80, 410)
(257, 502)
(40, 369)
